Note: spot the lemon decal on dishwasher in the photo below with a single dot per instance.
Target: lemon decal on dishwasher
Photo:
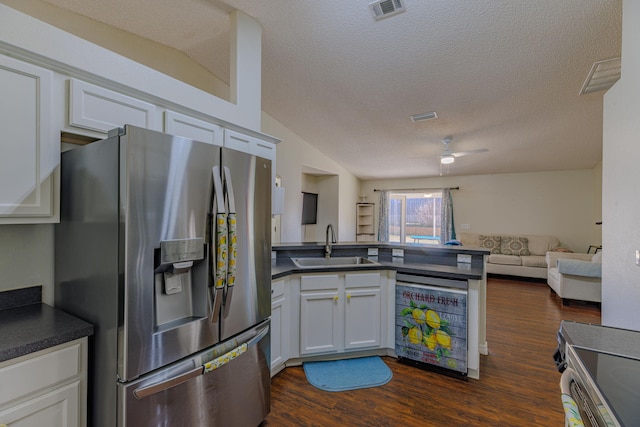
(433, 319)
(415, 335)
(431, 341)
(443, 339)
(419, 316)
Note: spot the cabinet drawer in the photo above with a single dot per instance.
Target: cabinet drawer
(44, 369)
(277, 289)
(362, 280)
(310, 283)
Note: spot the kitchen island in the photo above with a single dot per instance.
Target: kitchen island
(317, 310)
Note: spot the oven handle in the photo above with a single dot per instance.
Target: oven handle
(571, 412)
(212, 365)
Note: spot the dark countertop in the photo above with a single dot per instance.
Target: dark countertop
(283, 267)
(27, 325)
(616, 341)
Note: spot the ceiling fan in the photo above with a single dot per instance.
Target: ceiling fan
(447, 157)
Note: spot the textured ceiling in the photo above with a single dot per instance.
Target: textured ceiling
(501, 74)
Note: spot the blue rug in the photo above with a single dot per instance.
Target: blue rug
(348, 374)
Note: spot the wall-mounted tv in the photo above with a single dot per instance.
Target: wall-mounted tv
(309, 208)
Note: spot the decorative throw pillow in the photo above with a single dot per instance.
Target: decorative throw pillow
(490, 242)
(513, 245)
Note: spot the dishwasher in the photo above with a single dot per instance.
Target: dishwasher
(431, 323)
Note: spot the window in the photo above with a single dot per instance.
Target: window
(415, 217)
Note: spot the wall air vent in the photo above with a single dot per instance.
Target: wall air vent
(385, 8)
(602, 76)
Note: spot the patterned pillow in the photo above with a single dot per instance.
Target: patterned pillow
(490, 242)
(512, 245)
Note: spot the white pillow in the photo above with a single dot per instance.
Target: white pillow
(597, 257)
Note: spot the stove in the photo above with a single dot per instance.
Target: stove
(605, 386)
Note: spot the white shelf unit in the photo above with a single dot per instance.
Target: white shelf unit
(364, 222)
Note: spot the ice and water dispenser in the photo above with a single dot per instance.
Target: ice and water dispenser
(180, 281)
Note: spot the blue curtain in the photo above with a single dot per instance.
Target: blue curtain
(447, 229)
(383, 217)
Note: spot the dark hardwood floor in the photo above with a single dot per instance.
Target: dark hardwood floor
(518, 383)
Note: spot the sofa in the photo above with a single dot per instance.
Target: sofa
(522, 255)
(574, 276)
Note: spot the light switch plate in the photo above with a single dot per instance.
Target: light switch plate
(637, 256)
(399, 253)
(464, 258)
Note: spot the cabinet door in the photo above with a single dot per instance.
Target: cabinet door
(192, 128)
(362, 318)
(31, 150)
(279, 326)
(58, 408)
(249, 144)
(320, 322)
(99, 109)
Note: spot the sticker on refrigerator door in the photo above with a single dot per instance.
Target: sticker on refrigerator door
(431, 326)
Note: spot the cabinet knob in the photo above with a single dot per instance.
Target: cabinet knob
(336, 298)
(348, 297)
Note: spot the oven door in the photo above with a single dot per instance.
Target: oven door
(581, 398)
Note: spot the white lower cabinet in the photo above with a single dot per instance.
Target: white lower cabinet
(45, 388)
(279, 325)
(340, 312)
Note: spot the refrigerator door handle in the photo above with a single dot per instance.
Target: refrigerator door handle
(232, 242)
(219, 235)
(149, 390)
(212, 365)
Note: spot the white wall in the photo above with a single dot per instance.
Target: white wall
(26, 258)
(563, 203)
(621, 204)
(295, 155)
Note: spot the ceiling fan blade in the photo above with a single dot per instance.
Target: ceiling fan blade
(466, 153)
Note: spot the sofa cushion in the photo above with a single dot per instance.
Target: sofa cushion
(534, 261)
(540, 245)
(514, 245)
(579, 268)
(505, 259)
(490, 242)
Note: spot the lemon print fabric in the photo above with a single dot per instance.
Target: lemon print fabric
(233, 249)
(221, 261)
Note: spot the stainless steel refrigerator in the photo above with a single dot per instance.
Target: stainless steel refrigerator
(164, 246)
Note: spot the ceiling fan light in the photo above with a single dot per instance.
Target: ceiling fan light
(447, 160)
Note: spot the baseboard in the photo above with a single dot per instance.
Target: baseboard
(517, 278)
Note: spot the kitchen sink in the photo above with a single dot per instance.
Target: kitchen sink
(350, 261)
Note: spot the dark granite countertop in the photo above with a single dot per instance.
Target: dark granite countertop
(27, 325)
(282, 267)
(605, 339)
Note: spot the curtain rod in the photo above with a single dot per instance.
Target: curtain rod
(417, 189)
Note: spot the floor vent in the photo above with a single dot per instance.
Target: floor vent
(385, 8)
(602, 76)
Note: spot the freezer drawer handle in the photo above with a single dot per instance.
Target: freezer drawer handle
(212, 365)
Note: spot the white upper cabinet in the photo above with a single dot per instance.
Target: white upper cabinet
(192, 128)
(98, 109)
(31, 147)
(249, 144)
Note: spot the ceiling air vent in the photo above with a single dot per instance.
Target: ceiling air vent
(602, 76)
(385, 8)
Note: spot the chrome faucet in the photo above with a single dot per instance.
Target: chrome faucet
(327, 244)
